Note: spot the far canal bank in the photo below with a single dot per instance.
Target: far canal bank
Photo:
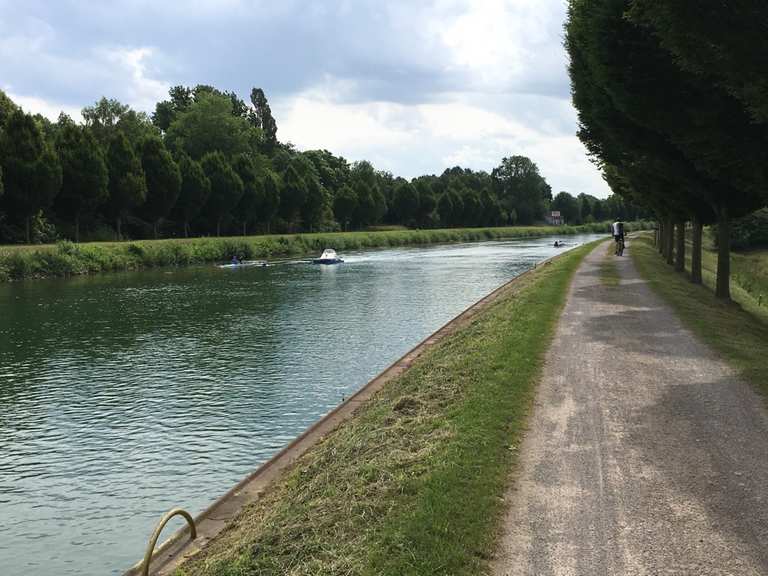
(68, 259)
(127, 394)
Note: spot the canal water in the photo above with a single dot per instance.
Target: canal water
(123, 395)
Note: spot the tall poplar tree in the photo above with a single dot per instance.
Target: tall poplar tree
(163, 182)
(293, 195)
(315, 204)
(270, 198)
(261, 117)
(127, 184)
(247, 208)
(31, 169)
(406, 203)
(85, 177)
(226, 187)
(194, 191)
(344, 206)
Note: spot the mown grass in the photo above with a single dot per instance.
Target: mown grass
(67, 259)
(413, 483)
(739, 336)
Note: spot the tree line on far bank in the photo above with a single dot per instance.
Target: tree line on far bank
(207, 163)
(673, 106)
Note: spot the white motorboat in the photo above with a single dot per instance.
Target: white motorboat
(328, 256)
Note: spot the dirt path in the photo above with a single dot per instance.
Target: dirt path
(645, 454)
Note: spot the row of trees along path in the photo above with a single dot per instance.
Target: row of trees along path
(206, 162)
(673, 105)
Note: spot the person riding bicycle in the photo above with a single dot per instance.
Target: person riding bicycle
(618, 236)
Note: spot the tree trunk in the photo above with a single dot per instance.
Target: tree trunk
(661, 237)
(119, 228)
(218, 227)
(155, 226)
(680, 251)
(723, 289)
(186, 229)
(669, 232)
(245, 229)
(696, 254)
(28, 226)
(77, 228)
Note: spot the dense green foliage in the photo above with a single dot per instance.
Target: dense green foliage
(193, 193)
(751, 231)
(84, 173)
(724, 41)
(207, 162)
(127, 183)
(163, 180)
(671, 114)
(31, 169)
(431, 500)
(66, 258)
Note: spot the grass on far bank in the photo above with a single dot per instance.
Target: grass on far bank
(413, 483)
(739, 336)
(68, 259)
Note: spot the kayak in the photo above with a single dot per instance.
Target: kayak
(246, 264)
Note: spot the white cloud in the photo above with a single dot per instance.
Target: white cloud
(506, 44)
(410, 140)
(141, 92)
(414, 87)
(317, 124)
(126, 68)
(459, 121)
(36, 105)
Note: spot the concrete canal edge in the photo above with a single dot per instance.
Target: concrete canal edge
(178, 548)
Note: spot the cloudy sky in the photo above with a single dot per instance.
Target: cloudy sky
(415, 86)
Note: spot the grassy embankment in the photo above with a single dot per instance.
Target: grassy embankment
(67, 259)
(738, 335)
(749, 277)
(412, 484)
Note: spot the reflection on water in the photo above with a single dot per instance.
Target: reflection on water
(126, 394)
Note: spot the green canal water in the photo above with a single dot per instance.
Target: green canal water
(124, 395)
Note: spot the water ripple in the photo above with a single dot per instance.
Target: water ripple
(124, 395)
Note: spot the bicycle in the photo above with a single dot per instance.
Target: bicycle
(619, 246)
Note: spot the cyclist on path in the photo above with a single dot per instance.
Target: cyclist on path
(618, 236)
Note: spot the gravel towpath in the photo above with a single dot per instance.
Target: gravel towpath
(645, 454)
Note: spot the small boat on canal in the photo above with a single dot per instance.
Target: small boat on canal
(328, 257)
(245, 264)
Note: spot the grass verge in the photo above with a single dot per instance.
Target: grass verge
(68, 259)
(609, 272)
(412, 484)
(740, 337)
(749, 277)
